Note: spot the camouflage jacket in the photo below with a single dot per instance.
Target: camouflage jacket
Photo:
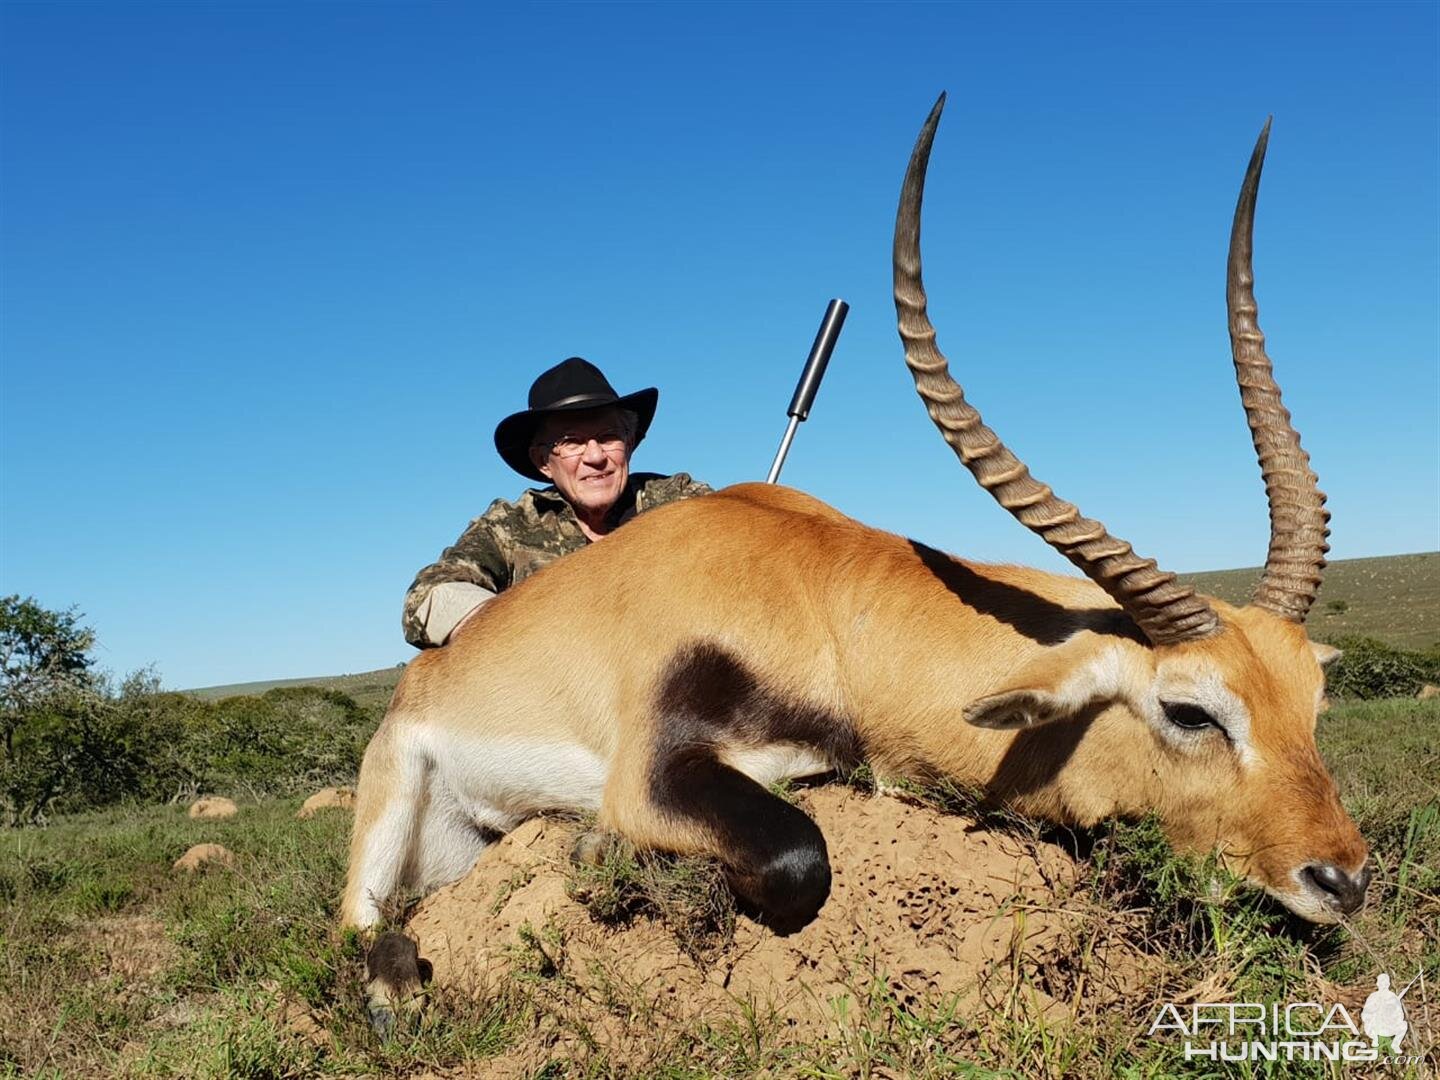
(512, 540)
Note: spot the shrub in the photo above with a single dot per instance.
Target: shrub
(69, 740)
(286, 740)
(1371, 669)
(67, 743)
(89, 749)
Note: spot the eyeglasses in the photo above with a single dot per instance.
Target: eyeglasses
(569, 446)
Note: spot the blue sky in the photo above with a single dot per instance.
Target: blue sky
(270, 274)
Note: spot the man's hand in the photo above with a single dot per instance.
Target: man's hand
(448, 607)
(468, 617)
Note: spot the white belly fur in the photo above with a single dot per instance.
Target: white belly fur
(500, 782)
(516, 778)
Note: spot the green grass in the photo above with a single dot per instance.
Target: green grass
(1395, 598)
(111, 964)
(689, 895)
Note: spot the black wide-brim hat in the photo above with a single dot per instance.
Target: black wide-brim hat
(572, 385)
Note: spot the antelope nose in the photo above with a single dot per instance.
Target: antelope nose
(1341, 890)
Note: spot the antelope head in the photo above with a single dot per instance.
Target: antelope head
(1207, 717)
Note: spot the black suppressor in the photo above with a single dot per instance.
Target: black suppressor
(810, 379)
(819, 357)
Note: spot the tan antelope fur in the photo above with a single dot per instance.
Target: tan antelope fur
(665, 677)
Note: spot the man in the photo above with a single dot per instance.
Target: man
(578, 434)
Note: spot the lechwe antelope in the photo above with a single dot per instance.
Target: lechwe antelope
(666, 677)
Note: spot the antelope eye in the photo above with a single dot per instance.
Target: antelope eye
(1189, 717)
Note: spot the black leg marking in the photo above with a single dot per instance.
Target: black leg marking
(774, 854)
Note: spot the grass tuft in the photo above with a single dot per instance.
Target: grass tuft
(688, 894)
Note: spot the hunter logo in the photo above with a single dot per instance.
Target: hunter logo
(1384, 1016)
(1296, 1030)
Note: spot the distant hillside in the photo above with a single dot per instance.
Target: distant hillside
(369, 689)
(1395, 598)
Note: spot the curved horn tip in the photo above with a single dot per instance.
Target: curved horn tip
(1244, 205)
(1264, 140)
(933, 120)
(920, 158)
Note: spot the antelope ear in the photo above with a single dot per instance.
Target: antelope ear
(1063, 681)
(1012, 710)
(1325, 655)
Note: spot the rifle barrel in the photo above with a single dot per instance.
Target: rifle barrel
(810, 377)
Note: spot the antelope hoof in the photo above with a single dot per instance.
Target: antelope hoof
(395, 977)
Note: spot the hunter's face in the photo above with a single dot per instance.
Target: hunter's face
(586, 455)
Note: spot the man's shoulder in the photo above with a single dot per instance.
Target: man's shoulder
(529, 506)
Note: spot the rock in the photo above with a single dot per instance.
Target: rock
(213, 806)
(202, 854)
(1428, 691)
(342, 798)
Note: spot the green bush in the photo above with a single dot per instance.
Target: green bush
(1371, 669)
(88, 749)
(70, 740)
(286, 740)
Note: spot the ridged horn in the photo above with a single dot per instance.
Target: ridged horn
(1167, 613)
(1299, 522)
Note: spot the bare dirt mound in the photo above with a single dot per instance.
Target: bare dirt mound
(930, 905)
(202, 855)
(213, 806)
(330, 798)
